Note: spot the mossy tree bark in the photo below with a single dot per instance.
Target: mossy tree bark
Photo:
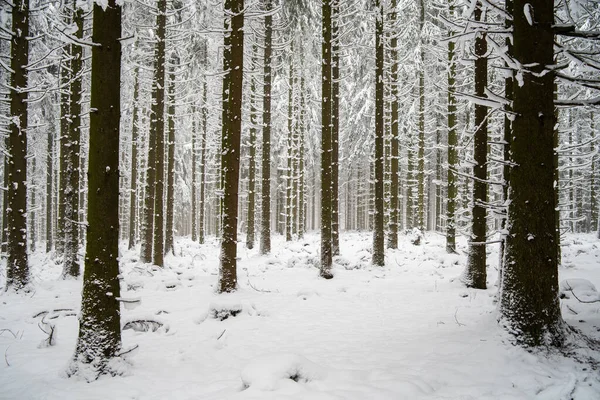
(378, 232)
(529, 303)
(17, 267)
(475, 274)
(99, 338)
(231, 140)
(326, 250)
(265, 223)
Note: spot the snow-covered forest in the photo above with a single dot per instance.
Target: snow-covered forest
(303, 199)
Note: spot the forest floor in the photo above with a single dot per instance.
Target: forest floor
(410, 330)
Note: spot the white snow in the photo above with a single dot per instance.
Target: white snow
(409, 330)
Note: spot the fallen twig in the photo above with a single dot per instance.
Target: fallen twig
(5, 357)
(456, 319)
(221, 335)
(8, 330)
(578, 299)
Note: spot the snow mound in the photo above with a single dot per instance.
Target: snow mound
(269, 372)
(224, 309)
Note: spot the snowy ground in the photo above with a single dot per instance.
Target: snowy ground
(410, 330)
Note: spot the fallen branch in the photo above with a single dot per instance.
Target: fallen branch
(578, 299)
(456, 319)
(8, 330)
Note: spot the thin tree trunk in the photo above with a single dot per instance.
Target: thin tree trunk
(134, 159)
(201, 226)
(378, 232)
(171, 161)
(159, 128)
(476, 274)
(71, 174)
(326, 245)
(265, 224)
(290, 151)
(49, 177)
(251, 228)
(393, 226)
(335, 128)
(232, 132)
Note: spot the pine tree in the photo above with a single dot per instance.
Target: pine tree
(17, 267)
(233, 63)
(99, 338)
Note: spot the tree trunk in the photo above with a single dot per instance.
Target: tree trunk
(335, 128)
(232, 132)
(290, 151)
(326, 245)
(251, 228)
(378, 233)
(49, 117)
(476, 274)
(421, 152)
(265, 224)
(99, 338)
(17, 268)
(201, 225)
(171, 161)
(71, 156)
(393, 223)
(529, 304)
(159, 135)
(134, 159)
